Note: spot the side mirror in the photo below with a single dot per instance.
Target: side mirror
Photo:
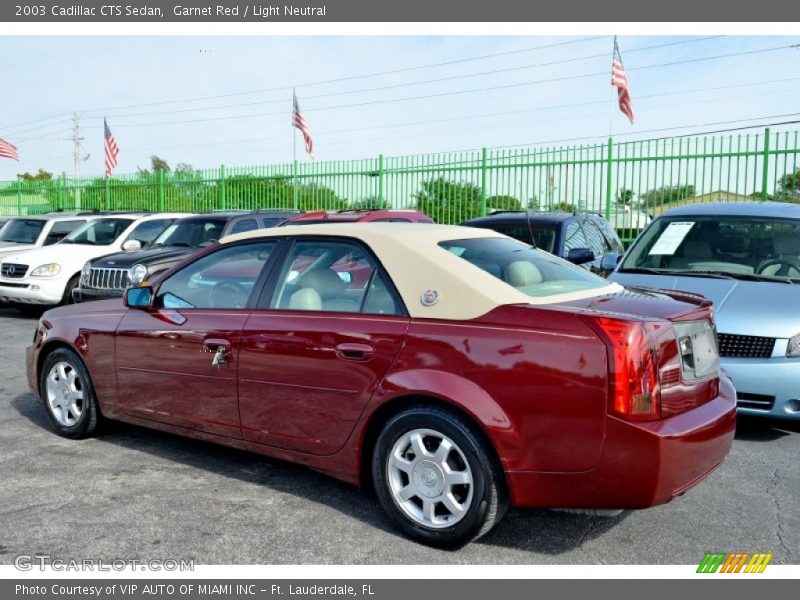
(580, 256)
(132, 245)
(610, 261)
(138, 297)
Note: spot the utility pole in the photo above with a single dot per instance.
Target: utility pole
(76, 140)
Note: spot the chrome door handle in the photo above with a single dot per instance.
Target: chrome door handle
(221, 350)
(354, 351)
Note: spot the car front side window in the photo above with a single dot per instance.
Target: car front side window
(224, 279)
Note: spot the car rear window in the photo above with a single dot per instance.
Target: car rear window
(531, 271)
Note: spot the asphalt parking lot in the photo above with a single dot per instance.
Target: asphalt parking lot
(139, 494)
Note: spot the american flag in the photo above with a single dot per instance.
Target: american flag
(620, 81)
(8, 150)
(299, 121)
(111, 149)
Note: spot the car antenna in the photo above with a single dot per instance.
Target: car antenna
(530, 227)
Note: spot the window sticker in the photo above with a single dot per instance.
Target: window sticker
(671, 238)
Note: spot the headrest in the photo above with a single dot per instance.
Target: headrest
(522, 273)
(325, 281)
(305, 299)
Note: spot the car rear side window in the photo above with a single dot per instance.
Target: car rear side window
(244, 225)
(526, 269)
(333, 276)
(574, 237)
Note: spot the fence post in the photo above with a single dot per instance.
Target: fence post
(609, 165)
(765, 174)
(108, 195)
(380, 181)
(483, 181)
(19, 197)
(223, 198)
(60, 192)
(161, 191)
(294, 185)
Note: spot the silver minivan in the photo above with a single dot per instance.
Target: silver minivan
(745, 257)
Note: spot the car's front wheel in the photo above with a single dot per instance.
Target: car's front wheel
(68, 395)
(436, 478)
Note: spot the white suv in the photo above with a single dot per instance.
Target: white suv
(25, 233)
(46, 276)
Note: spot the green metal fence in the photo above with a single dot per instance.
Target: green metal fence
(628, 182)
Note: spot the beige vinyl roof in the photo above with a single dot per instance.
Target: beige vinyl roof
(410, 254)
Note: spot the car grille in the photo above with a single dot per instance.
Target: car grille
(754, 401)
(745, 346)
(107, 279)
(13, 270)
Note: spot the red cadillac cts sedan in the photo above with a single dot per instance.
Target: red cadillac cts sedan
(465, 373)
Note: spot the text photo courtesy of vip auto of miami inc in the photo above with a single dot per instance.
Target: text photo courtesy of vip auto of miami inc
(390, 300)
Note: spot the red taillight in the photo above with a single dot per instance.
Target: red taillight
(633, 372)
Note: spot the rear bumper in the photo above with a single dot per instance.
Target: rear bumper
(768, 387)
(643, 464)
(88, 294)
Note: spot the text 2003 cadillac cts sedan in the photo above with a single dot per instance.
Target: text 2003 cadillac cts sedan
(455, 369)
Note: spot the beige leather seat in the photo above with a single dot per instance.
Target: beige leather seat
(522, 273)
(305, 299)
(787, 247)
(331, 289)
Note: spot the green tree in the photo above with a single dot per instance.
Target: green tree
(42, 175)
(563, 207)
(666, 194)
(448, 201)
(625, 197)
(789, 186)
(503, 202)
(368, 203)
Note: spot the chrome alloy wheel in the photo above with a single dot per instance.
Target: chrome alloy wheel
(430, 478)
(64, 391)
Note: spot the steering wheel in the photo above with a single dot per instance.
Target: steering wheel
(227, 294)
(790, 264)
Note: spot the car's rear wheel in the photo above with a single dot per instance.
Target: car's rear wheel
(68, 395)
(436, 478)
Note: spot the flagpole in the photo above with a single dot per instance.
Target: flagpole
(294, 153)
(613, 89)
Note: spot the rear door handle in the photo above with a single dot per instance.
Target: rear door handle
(349, 351)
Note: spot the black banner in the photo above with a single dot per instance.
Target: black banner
(191, 11)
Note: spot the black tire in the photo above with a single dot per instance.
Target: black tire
(489, 499)
(86, 423)
(71, 285)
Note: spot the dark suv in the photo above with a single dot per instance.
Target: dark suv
(581, 238)
(108, 276)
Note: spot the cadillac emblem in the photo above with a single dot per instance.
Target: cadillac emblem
(429, 297)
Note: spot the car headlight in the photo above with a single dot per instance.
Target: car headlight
(137, 273)
(48, 270)
(86, 272)
(793, 349)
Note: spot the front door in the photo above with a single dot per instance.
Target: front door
(313, 355)
(177, 362)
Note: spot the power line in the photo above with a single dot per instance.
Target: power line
(422, 82)
(454, 92)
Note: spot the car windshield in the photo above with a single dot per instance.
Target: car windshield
(101, 232)
(193, 233)
(21, 231)
(533, 272)
(733, 247)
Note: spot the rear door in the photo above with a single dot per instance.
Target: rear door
(177, 362)
(314, 351)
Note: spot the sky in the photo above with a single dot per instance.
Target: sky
(207, 101)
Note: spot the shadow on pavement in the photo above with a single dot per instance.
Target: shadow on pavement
(763, 429)
(531, 530)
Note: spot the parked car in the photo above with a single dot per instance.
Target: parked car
(107, 276)
(581, 238)
(46, 276)
(746, 258)
(358, 216)
(24, 233)
(466, 372)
